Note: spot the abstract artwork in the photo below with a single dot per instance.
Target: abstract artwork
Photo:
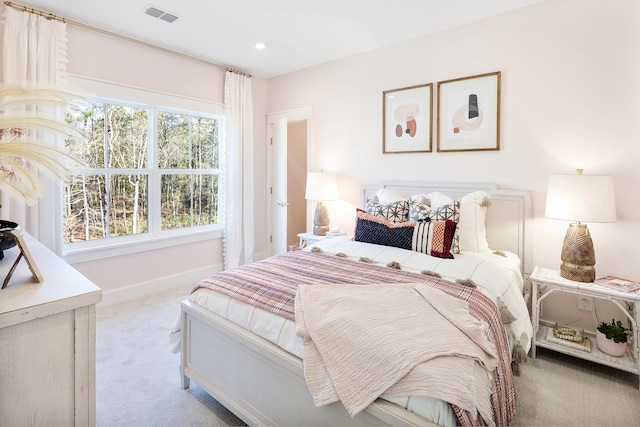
(406, 119)
(469, 113)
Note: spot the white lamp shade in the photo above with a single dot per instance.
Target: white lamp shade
(583, 198)
(321, 186)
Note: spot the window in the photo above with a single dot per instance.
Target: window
(148, 171)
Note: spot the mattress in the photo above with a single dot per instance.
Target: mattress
(496, 274)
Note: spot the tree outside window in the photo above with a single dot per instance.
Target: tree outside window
(122, 191)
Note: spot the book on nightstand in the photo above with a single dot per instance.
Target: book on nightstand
(618, 283)
(585, 345)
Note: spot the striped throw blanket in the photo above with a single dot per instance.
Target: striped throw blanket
(271, 284)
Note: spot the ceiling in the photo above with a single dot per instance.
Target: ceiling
(298, 33)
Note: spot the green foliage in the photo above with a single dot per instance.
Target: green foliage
(614, 331)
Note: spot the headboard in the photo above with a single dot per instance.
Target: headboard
(508, 220)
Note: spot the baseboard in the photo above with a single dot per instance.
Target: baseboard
(144, 289)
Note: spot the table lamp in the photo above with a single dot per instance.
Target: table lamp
(580, 198)
(321, 187)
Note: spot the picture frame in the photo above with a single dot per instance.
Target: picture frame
(407, 119)
(469, 113)
(26, 254)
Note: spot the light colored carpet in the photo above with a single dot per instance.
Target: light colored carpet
(138, 383)
(560, 390)
(137, 377)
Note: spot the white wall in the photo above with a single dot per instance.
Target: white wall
(570, 81)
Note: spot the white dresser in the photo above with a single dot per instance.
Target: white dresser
(47, 342)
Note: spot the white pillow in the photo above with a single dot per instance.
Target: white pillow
(438, 199)
(473, 232)
(387, 196)
(471, 228)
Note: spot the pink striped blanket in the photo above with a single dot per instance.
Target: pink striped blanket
(271, 284)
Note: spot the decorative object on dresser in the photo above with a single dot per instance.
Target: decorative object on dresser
(26, 254)
(406, 119)
(612, 338)
(469, 113)
(321, 187)
(580, 198)
(30, 117)
(7, 241)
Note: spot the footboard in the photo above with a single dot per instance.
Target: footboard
(261, 383)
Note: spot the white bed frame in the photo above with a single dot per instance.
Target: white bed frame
(264, 385)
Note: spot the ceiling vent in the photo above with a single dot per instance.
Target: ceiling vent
(159, 13)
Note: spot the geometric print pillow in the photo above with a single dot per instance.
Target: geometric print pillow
(450, 212)
(396, 212)
(419, 207)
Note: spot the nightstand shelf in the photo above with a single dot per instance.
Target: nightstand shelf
(546, 282)
(307, 239)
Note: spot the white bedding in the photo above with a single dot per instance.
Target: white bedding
(496, 275)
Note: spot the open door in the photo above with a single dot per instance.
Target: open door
(279, 186)
(277, 175)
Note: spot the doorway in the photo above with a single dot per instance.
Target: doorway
(296, 181)
(288, 154)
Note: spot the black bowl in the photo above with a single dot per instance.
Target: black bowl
(7, 240)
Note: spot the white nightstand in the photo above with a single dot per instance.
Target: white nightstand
(545, 282)
(310, 238)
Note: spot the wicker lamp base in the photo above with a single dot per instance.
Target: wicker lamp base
(578, 256)
(321, 220)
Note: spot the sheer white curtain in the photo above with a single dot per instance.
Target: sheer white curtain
(238, 171)
(35, 51)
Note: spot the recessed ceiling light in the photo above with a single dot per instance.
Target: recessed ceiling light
(260, 45)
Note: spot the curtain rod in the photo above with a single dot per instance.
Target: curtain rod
(48, 15)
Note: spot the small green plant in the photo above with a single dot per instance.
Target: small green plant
(614, 331)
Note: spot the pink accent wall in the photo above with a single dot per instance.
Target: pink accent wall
(103, 57)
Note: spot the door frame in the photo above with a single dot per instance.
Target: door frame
(292, 116)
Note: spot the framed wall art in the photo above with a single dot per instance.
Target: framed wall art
(407, 119)
(26, 254)
(469, 113)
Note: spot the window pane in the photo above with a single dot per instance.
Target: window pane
(127, 137)
(90, 123)
(128, 205)
(85, 208)
(204, 138)
(187, 142)
(173, 141)
(182, 207)
(205, 199)
(176, 201)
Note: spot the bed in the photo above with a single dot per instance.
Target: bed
(249, 356)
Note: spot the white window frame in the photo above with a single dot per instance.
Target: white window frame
(120, 94)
